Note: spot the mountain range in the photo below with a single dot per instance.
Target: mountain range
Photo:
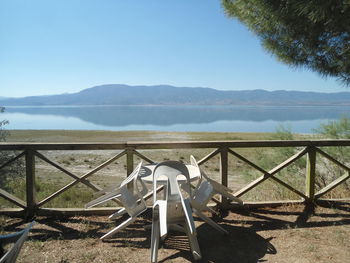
(120, 94)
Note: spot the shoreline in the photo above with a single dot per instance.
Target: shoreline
(133, 135)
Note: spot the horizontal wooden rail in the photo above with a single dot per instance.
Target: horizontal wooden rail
(169, 145)
(220, 149)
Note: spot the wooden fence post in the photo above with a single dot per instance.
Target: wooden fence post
(310, 173)
(223, 172)
(129, 161)
(30, 183)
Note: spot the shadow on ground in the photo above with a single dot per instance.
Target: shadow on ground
(243, 244)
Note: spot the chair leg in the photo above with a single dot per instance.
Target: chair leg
(211, 210)
(104, 198)
(229, 196)
(188, 216)
(155, 241)
(161, 209)
(119, 227)
(210, 221)
(120, 212)
(192, 238)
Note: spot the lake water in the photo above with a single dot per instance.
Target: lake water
(301, 119)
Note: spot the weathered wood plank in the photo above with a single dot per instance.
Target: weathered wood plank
(30, 182)
(208, 157)
(12, 160)
(224, 166)
(289, 187)
(143, 157)
(56, 165)
(332, 159)
(251, 185)
(44, 201)
(224, 172)
(61, 146)
(288, 161)
(273, 171)
(247, 161)
(265, 172)
(129, 161)
(13, 199)
(171, 145)
(332, 185)
(237, 144)
(310, 173)
(15, 212)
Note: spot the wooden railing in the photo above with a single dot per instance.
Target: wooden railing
(30, 151)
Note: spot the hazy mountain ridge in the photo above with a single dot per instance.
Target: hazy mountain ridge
(119, 94)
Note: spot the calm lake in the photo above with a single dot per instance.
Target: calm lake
(301, 119)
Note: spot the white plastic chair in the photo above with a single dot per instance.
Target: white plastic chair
(173, 212)
(115, 194)
(18, 238)
(130, 197)
(204, 191)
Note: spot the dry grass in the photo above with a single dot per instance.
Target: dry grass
(284, 234)
(123, 136)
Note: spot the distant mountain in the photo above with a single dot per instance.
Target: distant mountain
(118, 94)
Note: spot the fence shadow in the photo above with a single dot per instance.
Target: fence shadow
(331, 214)
(243, 244)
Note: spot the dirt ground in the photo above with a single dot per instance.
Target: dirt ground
(284, 234)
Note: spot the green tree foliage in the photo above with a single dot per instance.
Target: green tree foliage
(16, 169)
(3, 133)
(314, 34)
(339, 129)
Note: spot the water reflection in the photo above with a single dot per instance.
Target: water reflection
(189, 117)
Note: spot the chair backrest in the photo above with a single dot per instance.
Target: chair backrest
(204, 190)
(134, 174)
(12, 254)
(130, 193)
(174, 199)
(194, 163)
(171, 170)
(134, 179)
(130, 182)
(208, 187)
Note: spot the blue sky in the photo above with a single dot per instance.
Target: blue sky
(53, 47)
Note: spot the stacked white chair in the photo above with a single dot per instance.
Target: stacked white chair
(131, 198)
(173, 212)
(203, 193)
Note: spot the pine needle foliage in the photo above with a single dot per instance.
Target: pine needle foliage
(313, 34)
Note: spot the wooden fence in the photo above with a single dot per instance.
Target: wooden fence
(30, 151)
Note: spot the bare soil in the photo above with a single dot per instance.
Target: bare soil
(284, 234)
